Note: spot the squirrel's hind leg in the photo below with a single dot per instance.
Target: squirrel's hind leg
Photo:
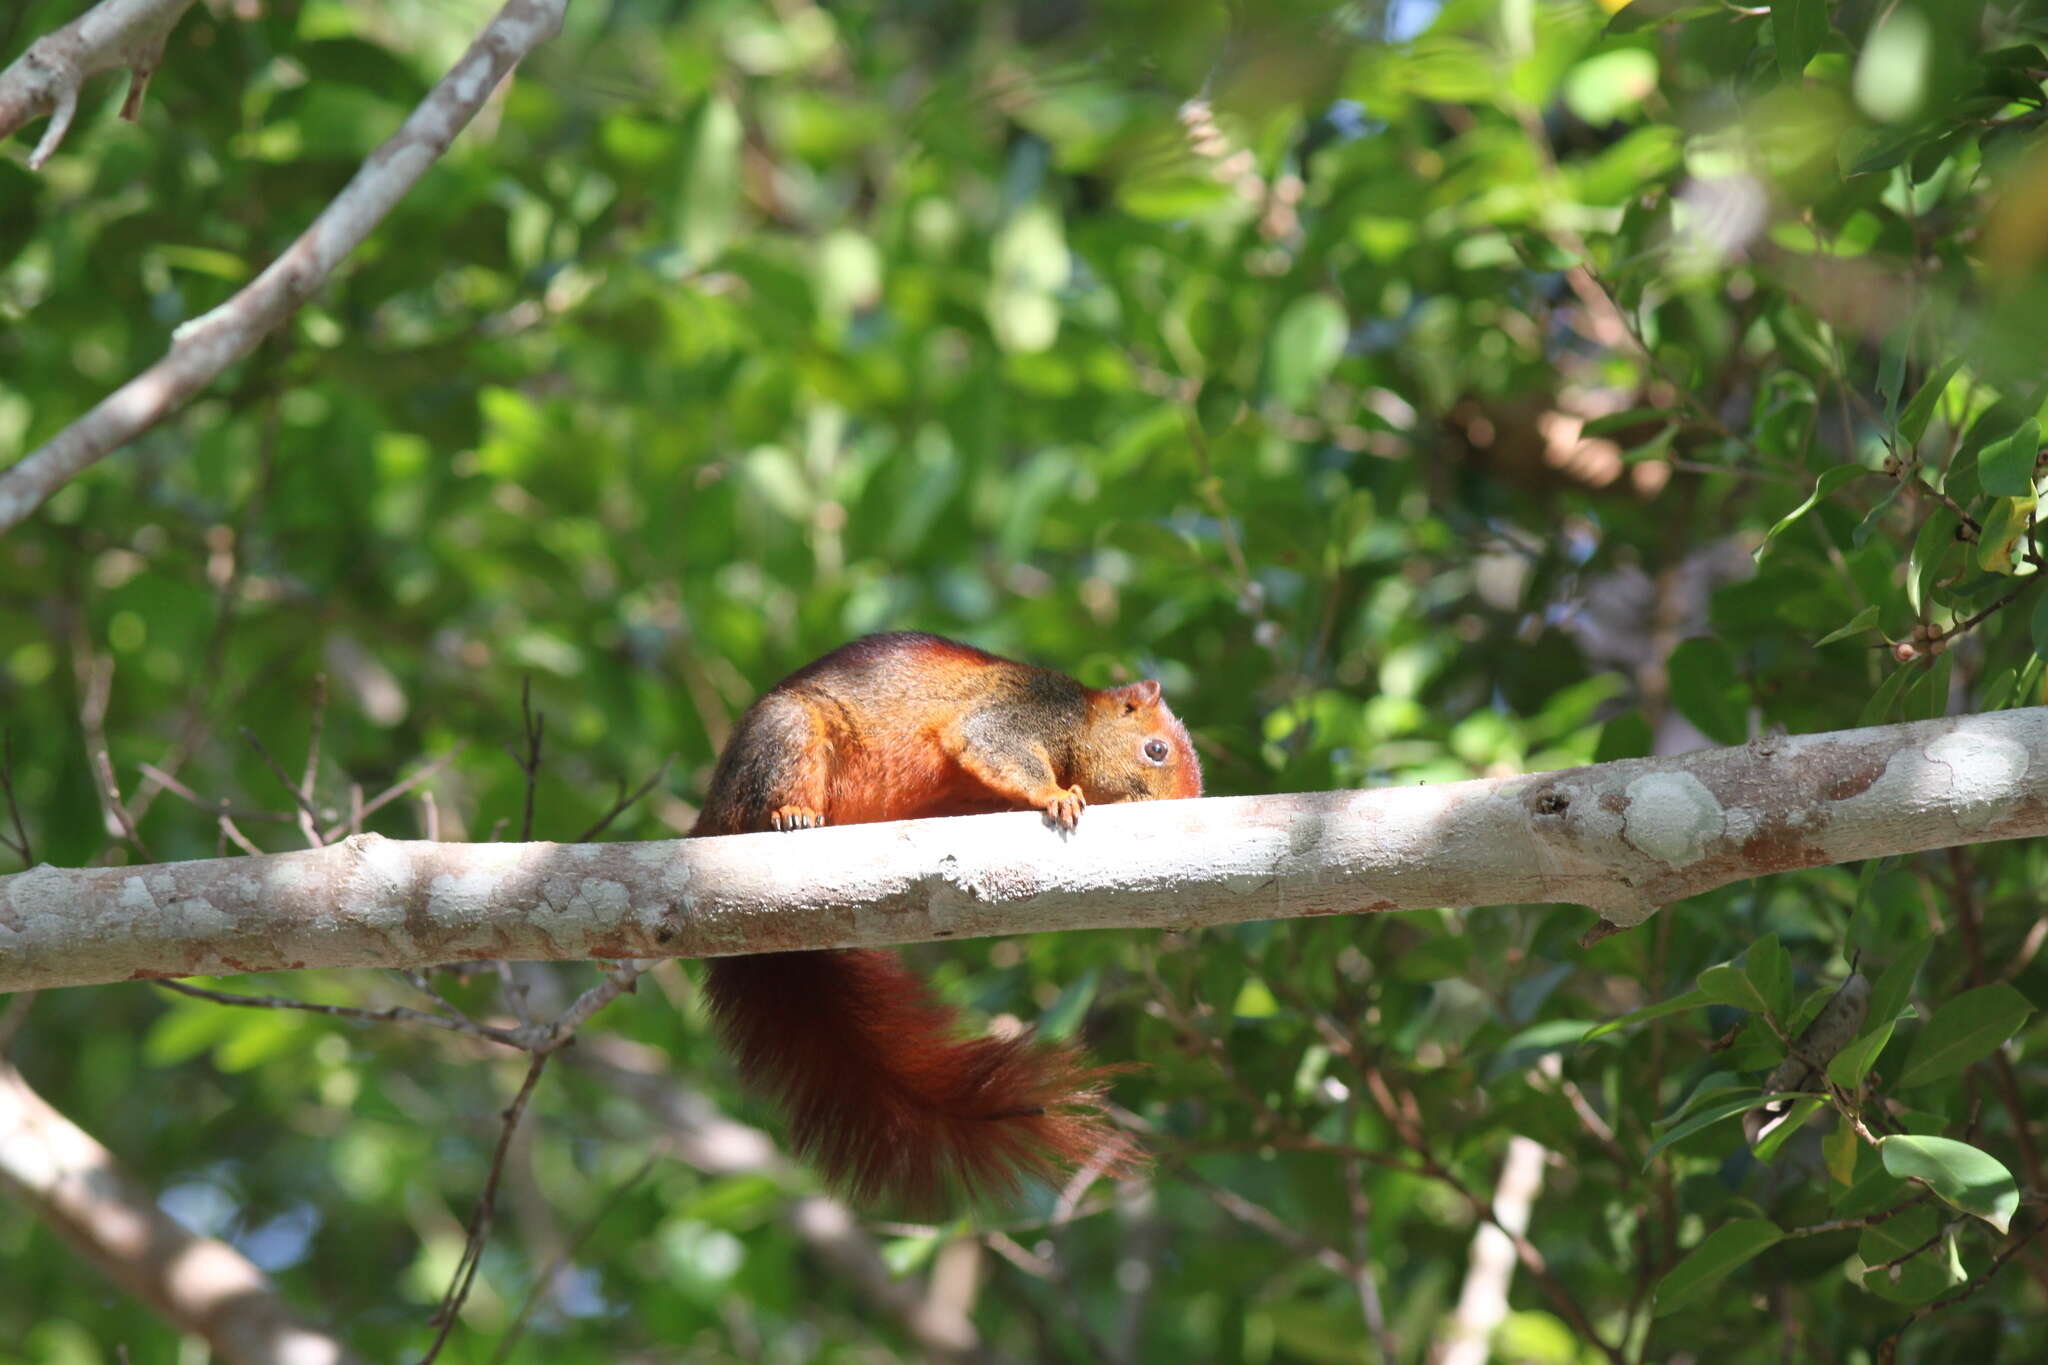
(776, 770)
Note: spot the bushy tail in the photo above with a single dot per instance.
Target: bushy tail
(885, 1097)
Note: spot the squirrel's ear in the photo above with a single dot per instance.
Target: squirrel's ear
(1138, 694)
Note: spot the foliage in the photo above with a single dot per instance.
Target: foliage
(1420, 392)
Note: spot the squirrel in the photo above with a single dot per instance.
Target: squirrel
(880, 1091)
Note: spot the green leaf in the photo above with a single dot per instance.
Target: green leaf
(1727, 1249)
(2005, 525)
(1434, 958)
(1848, 1067)
(1972, 1180)
(1728, 984)
(1909, 1260)
(1828, 482)
(1928, 561)
(1634, 417)
(1799, 27)
(2038, 626)
(1769, 968)
(1913, 421)
(1857, 624)
(1064, 1015)
(2005, 468)
(1885, 700)
(1838, 1152)
(1642, 14)
(1307, 342)
(1706, 690)
(1968, 1027)
(1781, 1132)
(1678, 1004)
(1895, 984)
(709, 206)
(1707, 1115)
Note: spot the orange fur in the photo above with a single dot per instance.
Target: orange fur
(880, 1090)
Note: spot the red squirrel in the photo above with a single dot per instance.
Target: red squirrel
(880, 1091)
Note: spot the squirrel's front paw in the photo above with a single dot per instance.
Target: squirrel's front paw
(796, 817)
(1065, 809)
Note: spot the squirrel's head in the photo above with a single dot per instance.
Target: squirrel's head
(1134, 748)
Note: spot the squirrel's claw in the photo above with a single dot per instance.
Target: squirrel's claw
(1065, 809)
(796, 817)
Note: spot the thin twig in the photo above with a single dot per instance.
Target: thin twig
(620, 806)
(1363, 1278)
(231, 832)
(168, 783)
(514, 990)
(1868, 1220)
(546, 1278)
(19, 843)
(1212, 493)
(396, 790)
(618, 980)
(110, 795)
(393, 1015)
(306, 783)
(193, 726)
(480, 1222)
(533, 727)
(1411, 1133)
(1887, 1349)
(306, 816)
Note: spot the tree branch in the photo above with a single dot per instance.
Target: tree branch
(46, 79)
(197, 1284)
(1624, 838)
(206, 345)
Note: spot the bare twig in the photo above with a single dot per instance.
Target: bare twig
(1364, 1279)
(545, 1280)
(307, 816)
(1403, 1119)
(620, 806)
(533, 729)
(1866, 1221)
(228, 567)
(618, 980)
(233, 834)
(479, 1230)
(19, 842)
(396, 1014)
(307, 826)
(204, 346)
(1888, 1348)
(184, 793)
(46, 78)
(110, 798)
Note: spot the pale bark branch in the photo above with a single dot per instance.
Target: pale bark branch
(204, 346)
(47, 78)
(1466, 1336)
(196, 1284)
(1623, 838)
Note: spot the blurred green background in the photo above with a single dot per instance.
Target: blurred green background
(1419, 391)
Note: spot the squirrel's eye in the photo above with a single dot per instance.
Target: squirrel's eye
(1155, 749)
